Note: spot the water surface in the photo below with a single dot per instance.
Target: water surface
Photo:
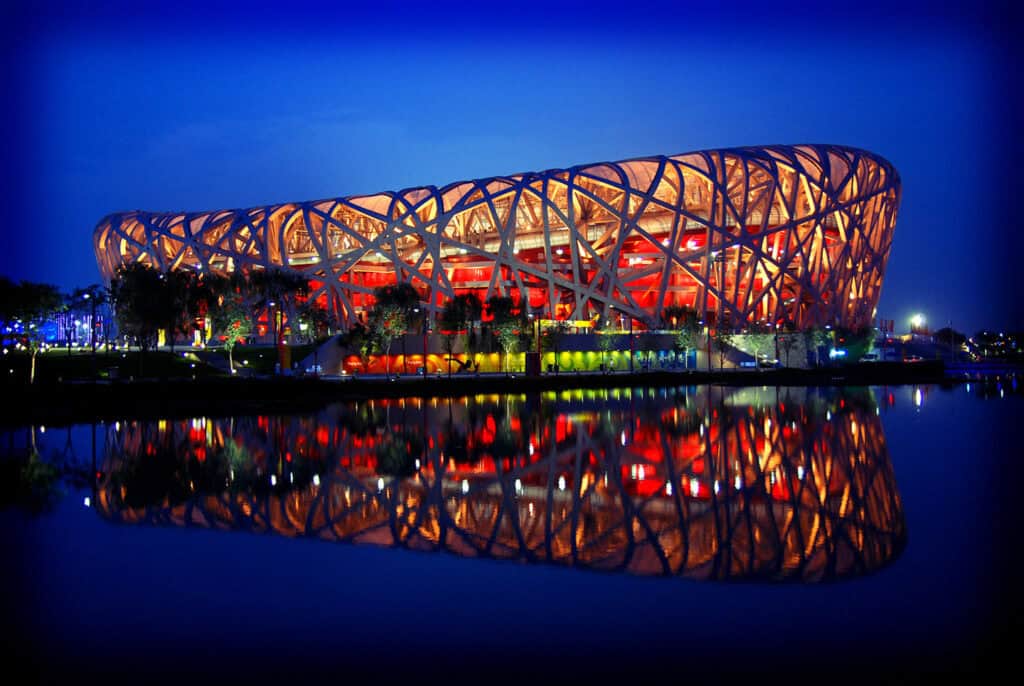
(573, 532)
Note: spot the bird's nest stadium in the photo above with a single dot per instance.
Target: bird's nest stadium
(797, 234)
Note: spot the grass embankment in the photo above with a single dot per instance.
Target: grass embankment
(58, 366)
(55, 366)
(212, 395)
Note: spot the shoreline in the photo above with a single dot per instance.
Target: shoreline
(63, 403)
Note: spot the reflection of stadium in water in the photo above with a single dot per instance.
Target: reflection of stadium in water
(786, 484)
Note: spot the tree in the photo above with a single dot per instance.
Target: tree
(452, 325)
(816, 338)
(88, 299)
(952, 338)
(174, 302)
(387, 322)
(552, 336)
(606, 341)
(457, 317)
(648, 343)
(203, 293)
(360, 339)
(314, 319)
(684, 341)
(788, 339)
(276, 289)
(138, 295)
(506, 324)
(854, 342)
(761, 341)
(392, 314)
(676, 317)
(722, 339)
(31, 304)
(231, 318)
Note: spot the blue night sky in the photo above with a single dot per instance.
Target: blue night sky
(115, 108)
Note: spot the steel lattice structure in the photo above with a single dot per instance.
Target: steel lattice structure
(799, 233)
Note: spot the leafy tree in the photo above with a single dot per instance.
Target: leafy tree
(686, 325)
(392, 315)
(817, 337)
(648, 342)
(315, 319)
(388, 322)
(761, 341)
(946, 335)
(31, 304)
(231, 318)
(139, 300)
(604, 338)
(276, 288)
(856, 342)
(508, 326)
(458, 316)
(683, 341)
(202, 295)
(677, 317)
(952, 338)
(552, 337)
(606, 342)
(360, 339)
(789, 339)
(722, 339)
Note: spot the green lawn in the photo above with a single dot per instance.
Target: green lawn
(261, 358)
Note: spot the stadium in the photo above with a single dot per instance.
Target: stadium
(798, 234)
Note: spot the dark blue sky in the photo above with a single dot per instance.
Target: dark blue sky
(115, 108)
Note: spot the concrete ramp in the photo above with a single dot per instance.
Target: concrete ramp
(329, 356)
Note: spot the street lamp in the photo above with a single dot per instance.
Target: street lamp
(631, 349)
(426, 334)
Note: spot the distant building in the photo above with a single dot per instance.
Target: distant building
(778, 233)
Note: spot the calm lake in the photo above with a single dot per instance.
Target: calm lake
(808, 534)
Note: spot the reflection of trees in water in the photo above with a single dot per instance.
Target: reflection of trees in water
(34, 481)
(720, 483)
(398, 454)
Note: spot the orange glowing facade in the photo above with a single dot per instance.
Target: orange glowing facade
(778, 233)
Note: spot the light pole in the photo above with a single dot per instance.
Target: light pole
(707, 341)
(92, 330)
(776, 343)
(426, 333)
(536, 331)
(631, 345)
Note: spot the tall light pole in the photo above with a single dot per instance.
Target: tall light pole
(631, 347)
(426, 333)
(92, 330)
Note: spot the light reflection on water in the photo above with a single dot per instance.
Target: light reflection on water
(523, 477)
(787, 484)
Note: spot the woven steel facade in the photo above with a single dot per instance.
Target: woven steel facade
(778, 233)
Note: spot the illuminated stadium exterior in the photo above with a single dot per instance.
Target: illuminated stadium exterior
(760, 234)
